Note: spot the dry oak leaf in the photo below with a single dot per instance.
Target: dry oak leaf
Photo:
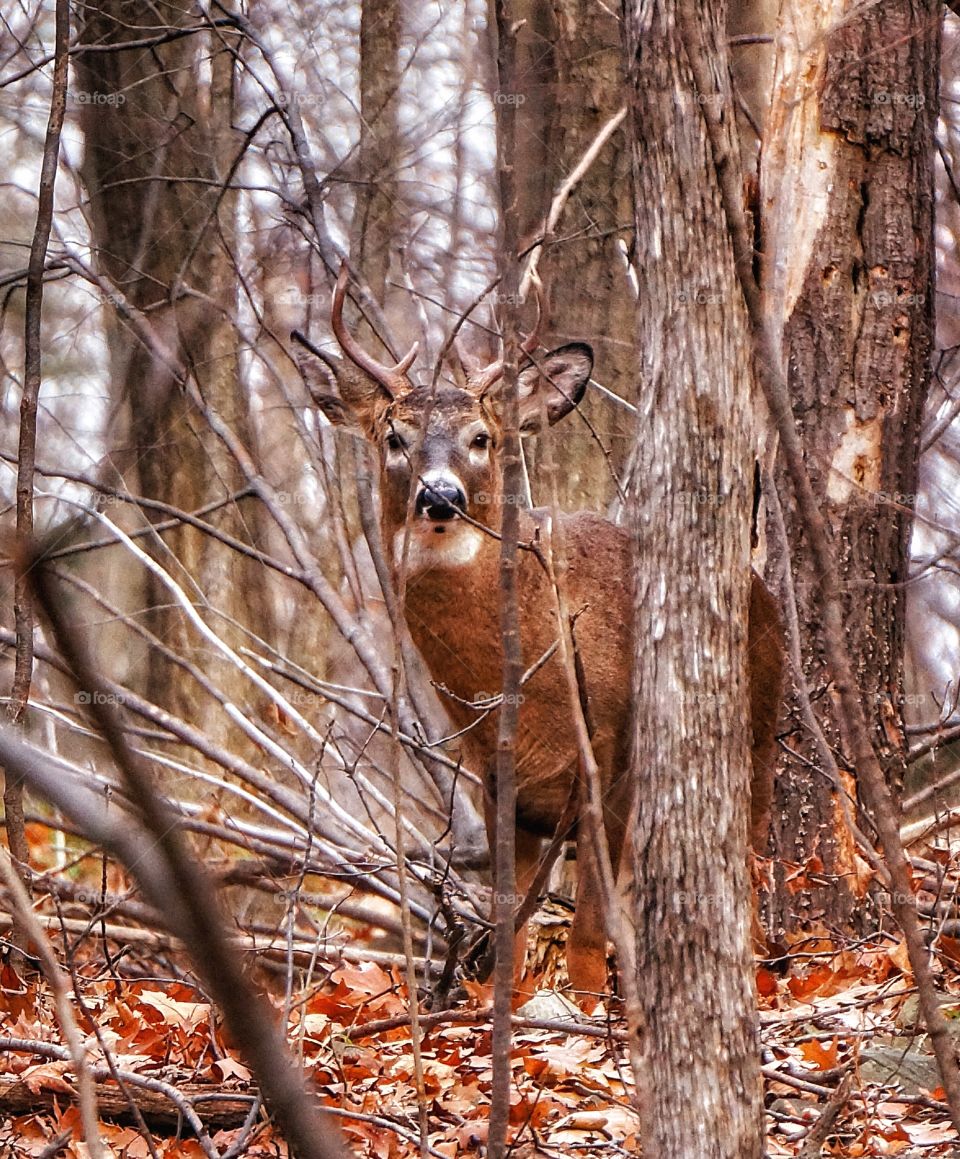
(189, 1015)
(47, 1076)
(949, 947)
(229, 1069)
(822, 1057)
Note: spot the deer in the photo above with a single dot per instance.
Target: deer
(450, 550)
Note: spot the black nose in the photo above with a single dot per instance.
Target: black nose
(440, 500)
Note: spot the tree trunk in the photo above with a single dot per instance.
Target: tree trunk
(689, 893)
(163, 229)
(570, 59)
(584, 264)
(376, 215)
(847, 192)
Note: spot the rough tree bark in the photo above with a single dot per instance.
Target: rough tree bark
(847, 192)
(688, 892)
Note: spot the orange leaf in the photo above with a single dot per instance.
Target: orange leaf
(766, 983)
(187, 1014)
(230, 1068)
(47, 1076)
(815, 981)
(949, 947)
(823, 1057)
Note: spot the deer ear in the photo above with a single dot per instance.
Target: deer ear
(552, 386)
(339, 413)
(347, 396)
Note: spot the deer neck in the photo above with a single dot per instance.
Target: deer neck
(452, 606)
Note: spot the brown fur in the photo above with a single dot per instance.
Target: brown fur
(452, 607)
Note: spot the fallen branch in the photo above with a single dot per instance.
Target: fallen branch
(157, 1100)
(817, 1135)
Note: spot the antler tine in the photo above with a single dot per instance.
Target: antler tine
(392, 378)
(532, 340)
(485, 378)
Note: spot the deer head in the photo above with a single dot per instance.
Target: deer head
(451, 434)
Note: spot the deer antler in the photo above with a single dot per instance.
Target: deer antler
(485, 378)
(393, 379)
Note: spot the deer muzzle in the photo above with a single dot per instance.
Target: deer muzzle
(440, 499)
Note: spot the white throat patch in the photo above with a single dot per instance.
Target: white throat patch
(451, 544)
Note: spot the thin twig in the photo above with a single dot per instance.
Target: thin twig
(102, 1073)
(817, 1135)
(573, 179)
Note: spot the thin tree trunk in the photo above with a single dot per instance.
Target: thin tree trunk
(572, 87)
(377, 217)
(504, 852)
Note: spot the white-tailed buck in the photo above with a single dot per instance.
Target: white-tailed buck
(452, 605)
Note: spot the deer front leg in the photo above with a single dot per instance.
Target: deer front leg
(526, 861)
(528, 847)
(587, 943)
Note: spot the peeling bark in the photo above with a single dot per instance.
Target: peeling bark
(847, 192)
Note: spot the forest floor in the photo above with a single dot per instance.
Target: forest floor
(838, 1032)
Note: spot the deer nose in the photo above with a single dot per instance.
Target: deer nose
(440, 500)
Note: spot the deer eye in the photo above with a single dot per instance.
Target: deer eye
(394, 442)
(481, 441)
